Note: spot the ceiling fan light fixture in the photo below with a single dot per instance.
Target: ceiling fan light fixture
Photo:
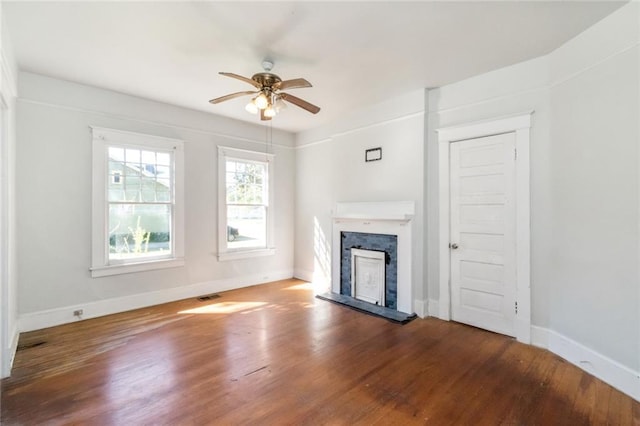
(270, 111)
(261, 101)
(280, 104)
(251, 107)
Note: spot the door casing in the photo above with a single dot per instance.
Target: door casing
(520, 125)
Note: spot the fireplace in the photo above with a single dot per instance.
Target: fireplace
(368, 281)
(383, 228)
(386, 245)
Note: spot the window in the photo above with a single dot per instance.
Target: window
(137, 202)
(245, 203)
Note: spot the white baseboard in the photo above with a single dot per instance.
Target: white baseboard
(321, 283)
(433, 308)
(11, 353)
(303, 275)
(421, 308)
(64, 315)
(617, 375)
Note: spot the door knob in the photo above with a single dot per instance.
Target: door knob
(453, 246)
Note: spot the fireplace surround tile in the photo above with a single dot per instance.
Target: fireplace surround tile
(378, 242)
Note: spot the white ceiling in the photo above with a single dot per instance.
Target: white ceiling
(353, 53)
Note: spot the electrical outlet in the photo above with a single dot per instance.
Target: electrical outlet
(78, 313)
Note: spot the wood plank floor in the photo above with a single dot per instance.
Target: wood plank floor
(275, 355)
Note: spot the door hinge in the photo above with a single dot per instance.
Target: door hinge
(515, 154)
(516, 307)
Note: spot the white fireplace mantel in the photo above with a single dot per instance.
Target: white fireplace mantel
(383, 210)
(385, 217)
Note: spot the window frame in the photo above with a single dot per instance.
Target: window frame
(224, 252)
(103, 138)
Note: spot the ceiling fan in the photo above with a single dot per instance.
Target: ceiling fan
(269, 99)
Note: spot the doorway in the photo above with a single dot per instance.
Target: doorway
(484, 225)
(482, 232)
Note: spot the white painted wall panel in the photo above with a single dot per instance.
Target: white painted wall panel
(54, 187)
(314, 201)
(594, 208)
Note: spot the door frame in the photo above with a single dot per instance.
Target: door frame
(520, 125)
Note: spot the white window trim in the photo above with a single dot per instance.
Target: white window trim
(243, 253)
(102, 137)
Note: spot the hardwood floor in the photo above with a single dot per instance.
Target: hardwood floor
(273, 354)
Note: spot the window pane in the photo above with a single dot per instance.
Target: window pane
(149, 169)
(116, 154)
(163, 190)
(139, 231)
(131, 169)
(149, 157)
(247, 227)
(115, 166)
(116, 194)
(163, 158)
(148, 186)
(132, 194)
(132, 156)
(163, 171)
(244, 182)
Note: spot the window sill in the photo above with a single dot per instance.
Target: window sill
(245, 254)
(103, 271)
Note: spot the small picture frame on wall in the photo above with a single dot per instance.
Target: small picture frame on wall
(373, 154)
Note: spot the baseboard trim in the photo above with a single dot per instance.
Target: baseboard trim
(52, 317)
(421, 308)
(612, 372)
(433, 308)
(303, 274)
(321, 283)
(11, 354)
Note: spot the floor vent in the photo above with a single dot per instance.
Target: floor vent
(30, 345)
(208, 297)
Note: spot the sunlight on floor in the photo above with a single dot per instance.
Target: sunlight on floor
(302, 286)
(224, 308)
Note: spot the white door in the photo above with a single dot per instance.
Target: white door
(483, 224)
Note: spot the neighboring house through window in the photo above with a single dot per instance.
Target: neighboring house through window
(137, 202)
(245, 200)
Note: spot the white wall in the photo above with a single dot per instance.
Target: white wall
(585, 188)
(54, 184)
(331, 168)
(595, 109)
(8, 258)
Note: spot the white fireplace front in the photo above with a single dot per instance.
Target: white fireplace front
(386, 218)
(368, 276)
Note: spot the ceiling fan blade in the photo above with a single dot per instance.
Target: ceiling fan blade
(231, 96)
(300, 102)
(241, 78)
(264, 117)
(296, 83)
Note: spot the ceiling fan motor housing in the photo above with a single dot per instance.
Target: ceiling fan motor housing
(266, 79)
